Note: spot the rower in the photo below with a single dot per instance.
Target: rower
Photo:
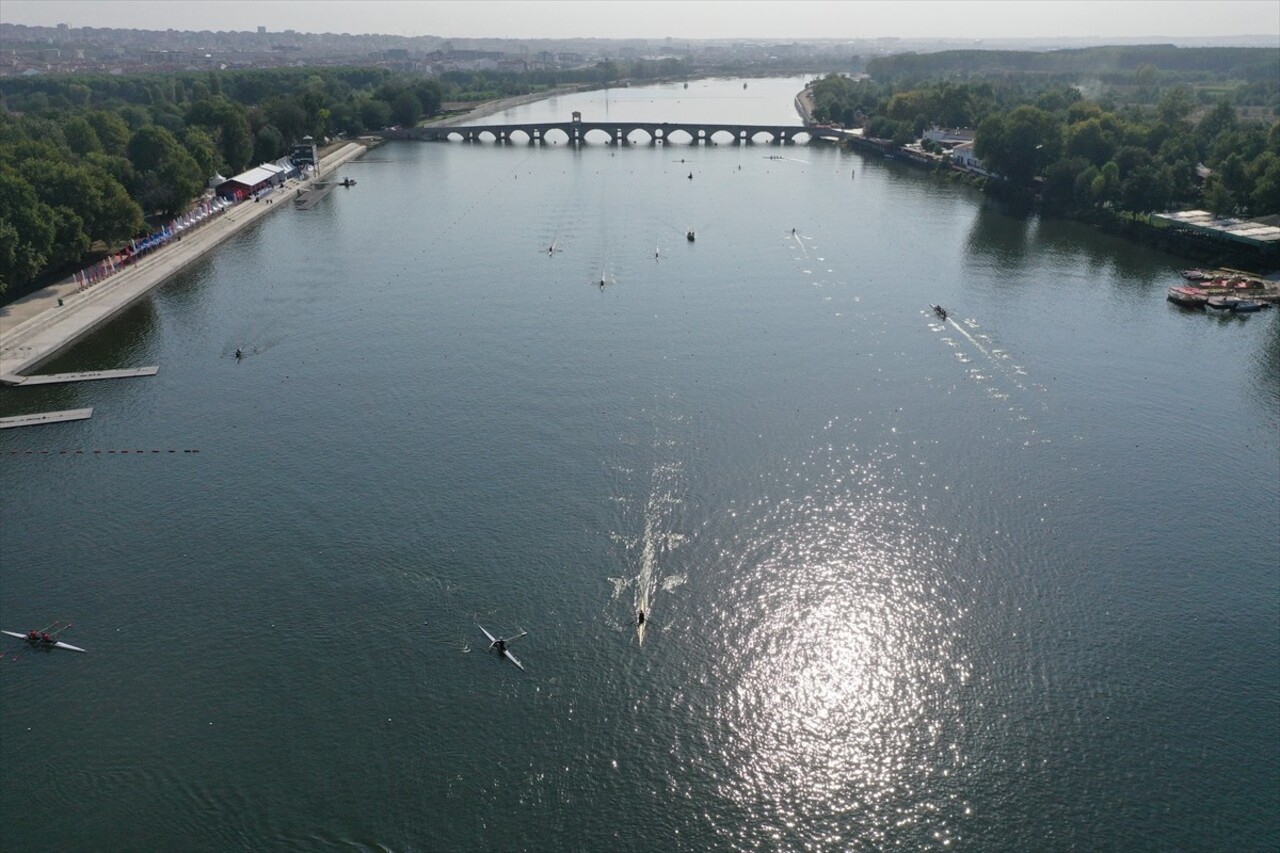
(46, 639)
(239, 354)
(500, 644)
(32, 636)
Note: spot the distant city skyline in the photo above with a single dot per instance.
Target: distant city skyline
(689, 19)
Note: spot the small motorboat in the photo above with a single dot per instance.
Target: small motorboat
(1247, 306)
(346, 182)
(940, 311)
(690, 236)
(1221, 303)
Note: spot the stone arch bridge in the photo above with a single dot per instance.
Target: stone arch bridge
(614, 133)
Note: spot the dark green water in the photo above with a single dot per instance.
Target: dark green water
(1004, 583)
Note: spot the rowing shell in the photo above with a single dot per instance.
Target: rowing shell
(57, 645)
(505, 652)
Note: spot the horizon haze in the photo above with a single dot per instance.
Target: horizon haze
(1157, 20)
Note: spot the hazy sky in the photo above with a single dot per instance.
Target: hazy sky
(700, 19)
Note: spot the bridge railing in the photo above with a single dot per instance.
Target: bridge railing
(620, 132)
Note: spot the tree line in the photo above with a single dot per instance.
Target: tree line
(86, 158)
(1136, 148)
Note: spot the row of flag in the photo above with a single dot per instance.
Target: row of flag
(113, 263)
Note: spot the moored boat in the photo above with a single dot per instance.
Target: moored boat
(1188, 297)
(1221, 303)
(1247, 306)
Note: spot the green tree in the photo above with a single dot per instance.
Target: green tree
(95, 199)
(1175, 105)
(268, 145)
(346, 119)
(1020, 144)
(1216, 197)
(228, 125)
(135, 116)
(200, 146)
(1145, 190)
(375, 113)
(70, 237)
(289, 119)
(1059, 189)
(80, 136)
(1266, 189)
(26, 230)
(1106, 186)
(406, 109)
(1089, 140)
(1082, 188)
(112, 131)
(1220, 119)
(166, 176)
(429, 95)
(1234, 176)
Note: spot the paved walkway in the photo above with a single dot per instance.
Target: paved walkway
(39, 326)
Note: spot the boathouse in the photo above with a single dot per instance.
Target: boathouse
(253, 181)
(1262, 234)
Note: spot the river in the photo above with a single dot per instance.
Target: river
(1003, 582)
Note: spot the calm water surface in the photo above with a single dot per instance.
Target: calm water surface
(1007, 582)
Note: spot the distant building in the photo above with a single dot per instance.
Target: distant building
(962, 155)
(253, 181)
(304, 153)
(1259, 233)
(949, 137)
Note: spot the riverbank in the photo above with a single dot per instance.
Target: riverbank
(488, 108)
(40, 325)
(1198, 249)
(804, 105)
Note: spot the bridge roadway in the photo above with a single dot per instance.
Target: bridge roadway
(616, 132)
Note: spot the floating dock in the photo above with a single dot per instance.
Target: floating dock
(45, 418)
(309, 198)
(83, 376)
(36, 328)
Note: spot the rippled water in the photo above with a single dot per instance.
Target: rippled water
(1006, 581)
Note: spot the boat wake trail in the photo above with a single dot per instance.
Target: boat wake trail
(800, 242)
(656, 537)
(999, 359)
(1003, 378)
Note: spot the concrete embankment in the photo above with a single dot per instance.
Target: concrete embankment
(489, 108)
(804, 104)
(37, 327)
